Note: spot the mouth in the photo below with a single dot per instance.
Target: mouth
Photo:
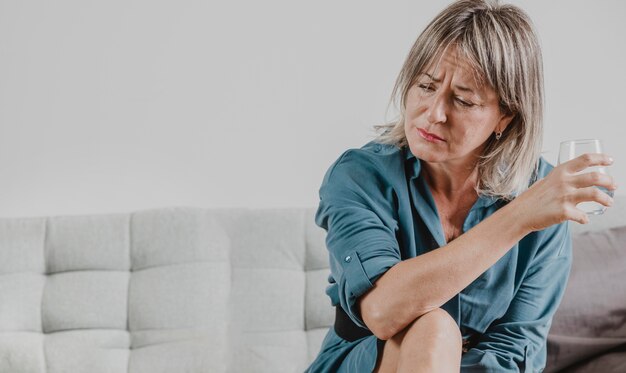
(429, 136)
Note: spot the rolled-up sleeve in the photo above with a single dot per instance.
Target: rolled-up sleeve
(517, 341)
(360, 225)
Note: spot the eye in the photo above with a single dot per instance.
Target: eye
(463, 102)
(426, 87)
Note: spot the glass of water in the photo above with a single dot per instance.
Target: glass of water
(573, 148)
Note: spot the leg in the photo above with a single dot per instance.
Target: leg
(431, 343)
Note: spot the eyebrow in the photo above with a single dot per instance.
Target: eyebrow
(459, 87)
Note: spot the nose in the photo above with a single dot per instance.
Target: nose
(437, 109)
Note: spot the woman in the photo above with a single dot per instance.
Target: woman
(448, 235)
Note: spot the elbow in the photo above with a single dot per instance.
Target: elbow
(383, 329)
(379, 329)
(385, 321)
(384, 333)
(378, 321)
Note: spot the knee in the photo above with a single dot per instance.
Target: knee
(433, 341)
(437, 327)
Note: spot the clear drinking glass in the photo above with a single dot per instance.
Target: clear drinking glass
(573, 148)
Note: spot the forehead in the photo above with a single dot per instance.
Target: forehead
(450, 62)
(465, 76)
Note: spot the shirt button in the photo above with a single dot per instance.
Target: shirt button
(348, 259)
(377, 148)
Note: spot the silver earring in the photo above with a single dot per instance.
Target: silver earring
(498, 135)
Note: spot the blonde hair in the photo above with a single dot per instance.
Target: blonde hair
(500, 43)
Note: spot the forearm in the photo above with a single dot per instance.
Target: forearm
(418, 285)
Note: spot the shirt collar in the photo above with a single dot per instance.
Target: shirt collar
(483, 200)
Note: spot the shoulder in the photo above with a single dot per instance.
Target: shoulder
(373, 159)
(544, 167)
(366, 178)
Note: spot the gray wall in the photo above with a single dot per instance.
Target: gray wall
(112, 106)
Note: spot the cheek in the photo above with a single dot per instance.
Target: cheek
(470, 140)
(463, 137)
(415, 113)
(409, 129)
(413, 103)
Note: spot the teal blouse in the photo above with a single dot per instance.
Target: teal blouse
(369, 200)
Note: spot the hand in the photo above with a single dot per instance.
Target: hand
(553, 199)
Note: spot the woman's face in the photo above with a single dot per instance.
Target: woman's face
(449, 104)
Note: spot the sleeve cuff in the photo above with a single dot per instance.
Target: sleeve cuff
(360, 277)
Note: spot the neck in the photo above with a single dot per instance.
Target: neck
(451, 180)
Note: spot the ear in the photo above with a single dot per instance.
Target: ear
(505, 120)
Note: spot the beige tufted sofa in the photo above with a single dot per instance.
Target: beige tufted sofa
(166, 290)
(169, 290)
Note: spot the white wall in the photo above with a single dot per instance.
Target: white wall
(113, 106)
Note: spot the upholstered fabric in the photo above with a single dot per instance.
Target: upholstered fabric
(143, 292)
(170, 290)
(592, 315)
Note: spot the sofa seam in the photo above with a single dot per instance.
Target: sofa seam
(230, 337)
(130, 275)
(45, 282)
(305, 270)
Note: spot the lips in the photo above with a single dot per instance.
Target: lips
(429, 136)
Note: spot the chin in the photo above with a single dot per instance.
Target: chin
(427, 155)
(431, 159)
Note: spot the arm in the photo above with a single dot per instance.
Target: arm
(360, 225)
(356, 212)
(517, 341)
(419, 285)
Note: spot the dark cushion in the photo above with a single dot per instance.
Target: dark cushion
(591, 320)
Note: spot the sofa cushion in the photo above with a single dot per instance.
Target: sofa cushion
(268, 289)
(178, 292)
(590, 319)
(142, 292)
(613, 361)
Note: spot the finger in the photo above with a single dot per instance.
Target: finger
(594, 178)
(592, 194)
(587, 160)
(580, 216)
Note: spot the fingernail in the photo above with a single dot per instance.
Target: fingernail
(610, 159)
